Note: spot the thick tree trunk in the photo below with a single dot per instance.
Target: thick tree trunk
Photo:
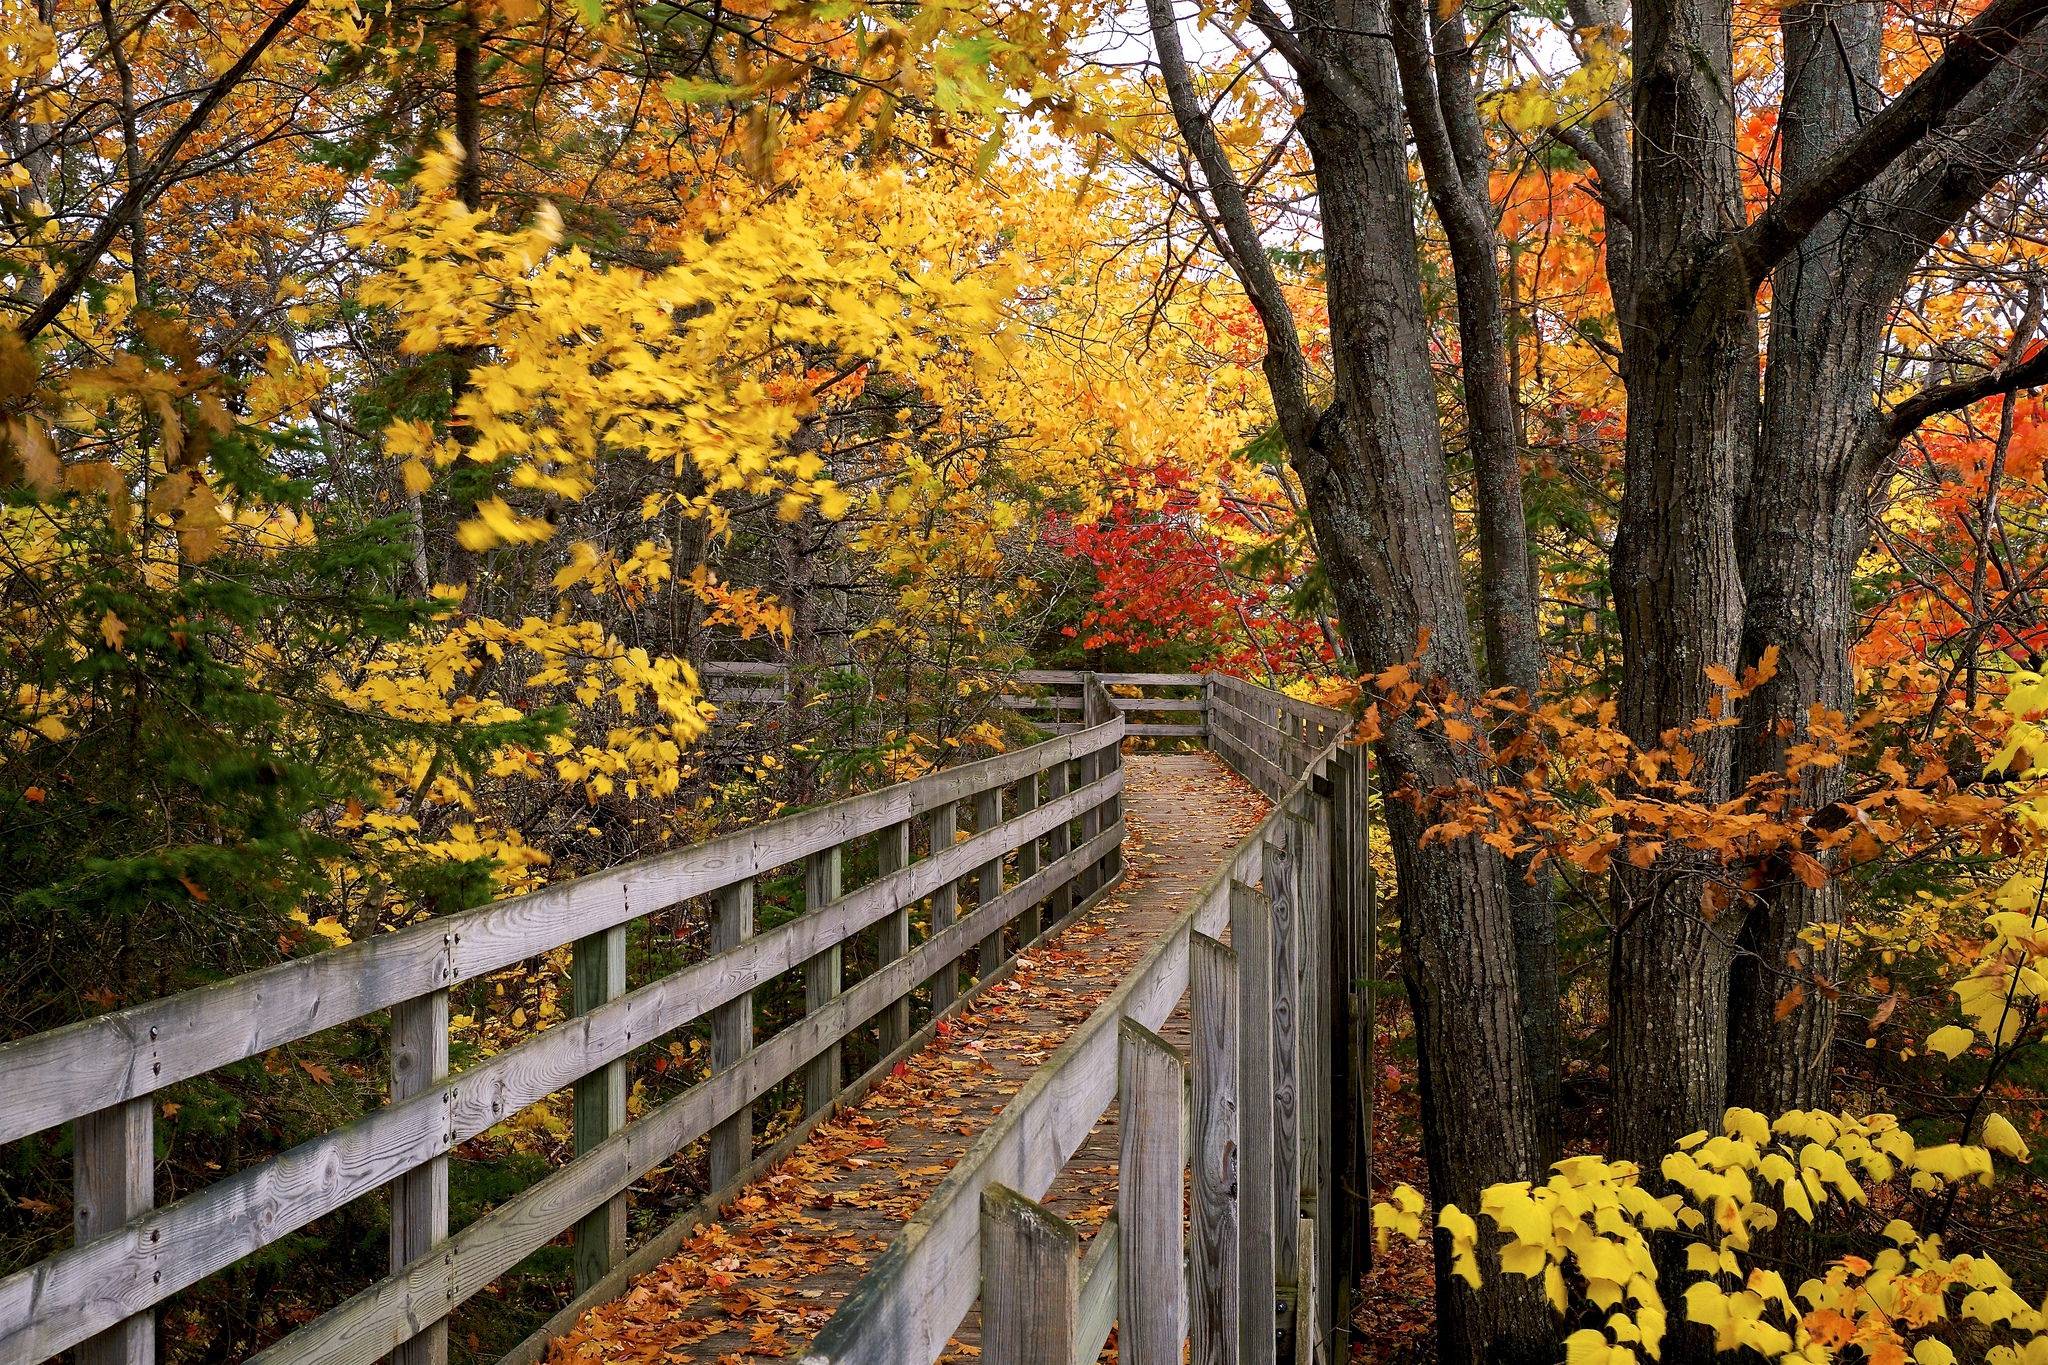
(1802, 529)
(1379, 494)
(1691, 372)
(1805, 522)
(1434, 56)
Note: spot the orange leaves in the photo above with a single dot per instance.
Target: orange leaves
(1565, 780)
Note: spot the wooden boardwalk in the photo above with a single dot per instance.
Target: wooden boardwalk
(757, 1285)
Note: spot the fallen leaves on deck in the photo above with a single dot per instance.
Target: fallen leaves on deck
(759, 1283)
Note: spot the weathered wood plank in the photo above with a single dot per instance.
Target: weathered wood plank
(369, 1325)
(1030, 1282)
(1098, 1291)
(1251, 934)
(892, 854)
(1284, 903)
(1213, 1261)
(79, 1291)
(597, 977)
(419, 1198)
(1308, 1336)
(1051, 703)
(113, 1179)
(732, 1032)
(1059, 839)
(1068, 677)
(1163, 731)
(1151, 1159)
(824, 978)
(1321, 1030)
(988, 818)
(54, 1077)
(1027, 863)
(945, 907)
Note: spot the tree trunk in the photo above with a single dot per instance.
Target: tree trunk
(1690, 366)
(1801, 533)
(1378, 491)
(1435, 61)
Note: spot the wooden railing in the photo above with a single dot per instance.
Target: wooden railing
(1268, 1150)
(1174, 705)
(1047, 830)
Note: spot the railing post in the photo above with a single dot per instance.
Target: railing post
(1361, 923)
(1030, 1281)
(1112, 809)
(988, 815)
(823, 979)
(419, 1198)
(1059, 843)
(1323, 1002)
(893, 855)
(1152, 1282)
(1090, 767)
(113, 1178)
(945, 907)
(1213, 1166)
(1285, 903)
(1028, 927)
(732, 1032)
(598, 974)
(1251, 933)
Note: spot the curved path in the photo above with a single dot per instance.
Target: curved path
(757, 1285)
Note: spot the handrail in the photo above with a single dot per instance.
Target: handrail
(113, 1064)
(907, 1307)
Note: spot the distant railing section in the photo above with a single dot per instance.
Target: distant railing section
(1045, 843)
(1240, 1218)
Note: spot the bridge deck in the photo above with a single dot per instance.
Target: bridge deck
(758, 1285)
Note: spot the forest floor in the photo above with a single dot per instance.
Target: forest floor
(758, 1284)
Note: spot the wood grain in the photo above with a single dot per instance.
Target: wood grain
(419, 1198)
(1099, 1307)
(1284, 910)
(824, 978)
(988, 879)
(1030, 1282)
(113, 1179)
(892, 854)
(89, 1287)
(597, 977)
(1213, 1260)
(1151, 1163)
(732, 1032)
(1251, 934)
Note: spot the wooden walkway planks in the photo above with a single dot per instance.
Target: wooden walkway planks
(760, 1284)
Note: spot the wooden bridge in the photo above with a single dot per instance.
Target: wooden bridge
(1240, 1198)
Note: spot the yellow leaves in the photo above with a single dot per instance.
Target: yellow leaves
(327, 927)
(1403, 1215)
(497, 524)
(1951, 1164)
(1950, 1040)
(1464, 1242)
(113, 630)
(2001, 1137)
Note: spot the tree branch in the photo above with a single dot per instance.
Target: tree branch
(1286, 370)
(140, 192)
(1973, 54)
